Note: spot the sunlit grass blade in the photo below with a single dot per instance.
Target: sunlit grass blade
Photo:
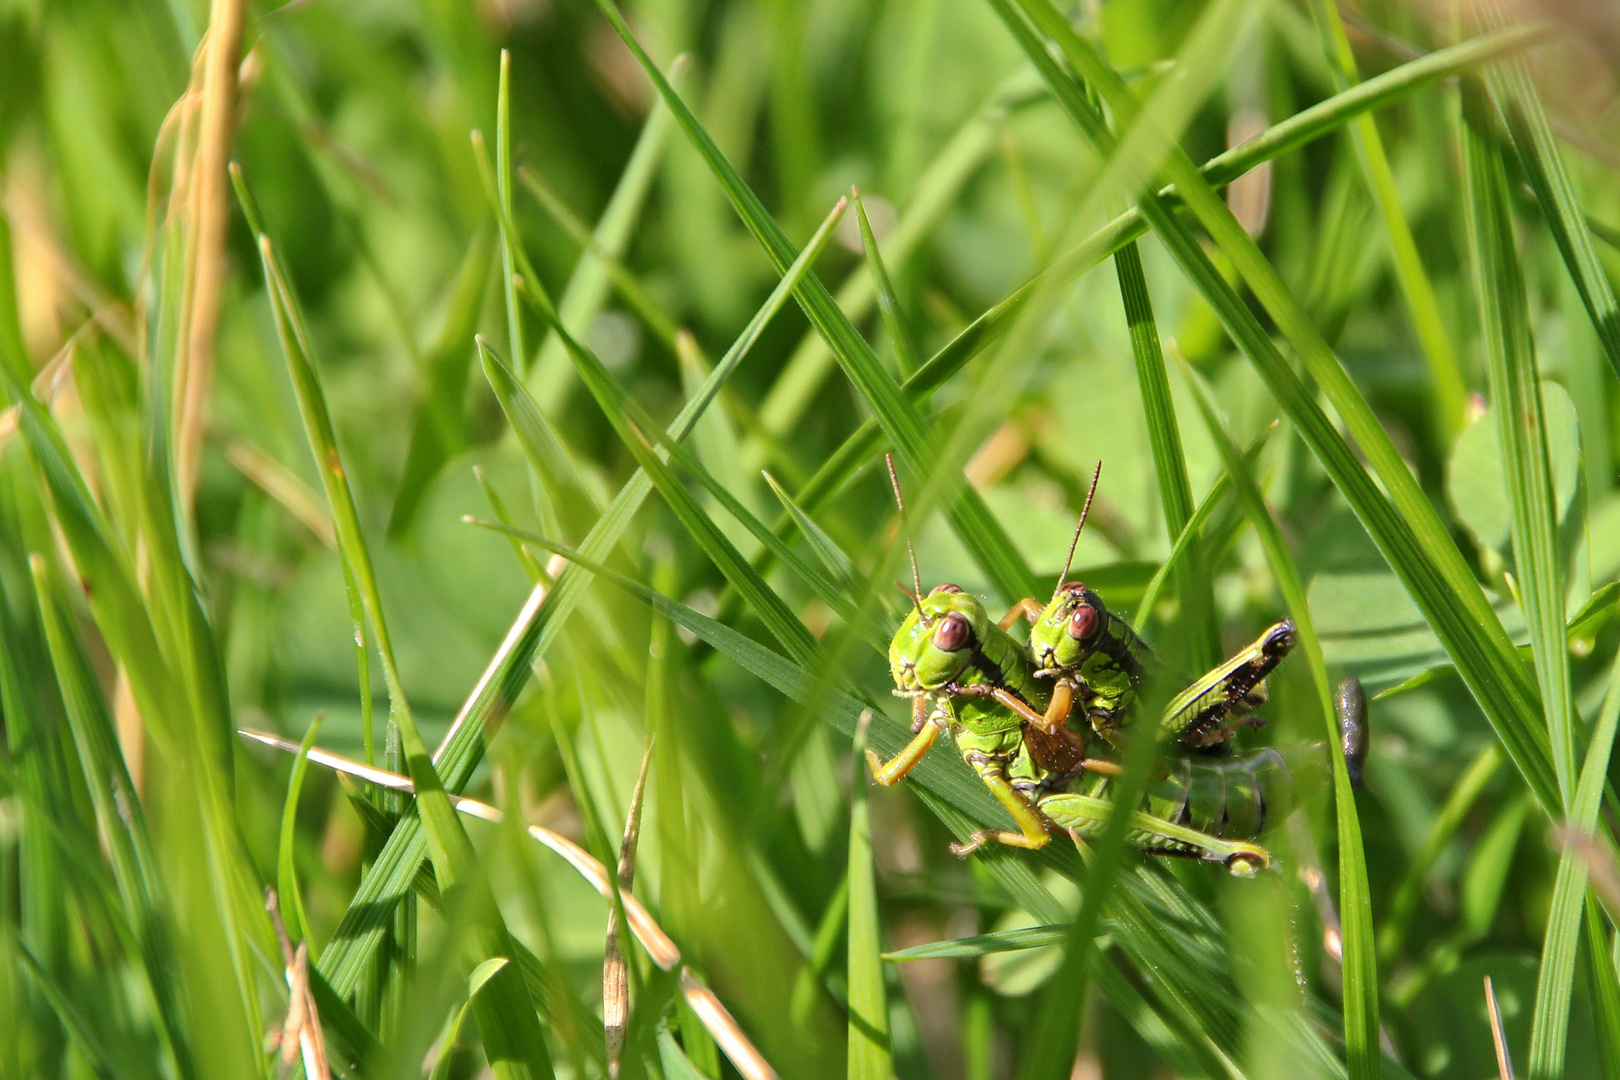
(1192, 533)
(1355, 902)
(833, 557)
(1032, 937)
(1403, 525)
(1416, 287)
(1549, 178)
(1515, 384)
(869, 1054)
(941, 180)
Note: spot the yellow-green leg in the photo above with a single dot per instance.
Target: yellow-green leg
(1031, 824)
(898, 766)
(1028, 607)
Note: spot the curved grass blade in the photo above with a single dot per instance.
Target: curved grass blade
(513, 1041)
(1190, 533)
(888, 303)
(1355, 902)
(1560, 946)
(1549, 178)
(983, 535)
(531, 634)
(291, 896)
(1030, 937)
(1416, 287)
(1403, 524)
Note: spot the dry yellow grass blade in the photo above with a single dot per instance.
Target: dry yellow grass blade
(206, 213)
(715, 1017)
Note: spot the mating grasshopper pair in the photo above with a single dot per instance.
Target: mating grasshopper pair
(1007, 708)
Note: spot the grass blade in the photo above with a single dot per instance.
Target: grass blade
(869, 1054)
(1521, 425)
(983, 535)
(1549, 178)
(513, 1042)
(1355, 902)
(291, 896)
(1403, 525)
(1410, 274)
(1164, 436)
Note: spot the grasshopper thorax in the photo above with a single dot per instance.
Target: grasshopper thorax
(1067, 630)
(937, 640)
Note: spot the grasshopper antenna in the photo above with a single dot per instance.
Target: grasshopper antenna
(1084, 510)
(900, 501)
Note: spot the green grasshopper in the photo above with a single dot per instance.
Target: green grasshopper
(965, 674)
(1097, 662)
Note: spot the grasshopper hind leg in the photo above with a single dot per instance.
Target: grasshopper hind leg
(1350, 703)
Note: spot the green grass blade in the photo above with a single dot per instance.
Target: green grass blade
(532, 632)
(1031, 937)
(888, 303)
(1515, 386)
(1549, 178)
(1403, 525)
(1416, 287)
(869, 1054)
(72, 1020)
(587, 289)
(983, 535)
(1191, 534)
(510, 1029)
(291, 896)
(1193, 585)
(833, 557)
(935, 191)
(1560, 945)
(1355, 903)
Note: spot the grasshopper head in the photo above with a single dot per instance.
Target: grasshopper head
(935, 642)
(1067, 630)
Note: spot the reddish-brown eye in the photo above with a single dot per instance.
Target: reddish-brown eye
(1083, 623)
(953, 633)
(947, 587)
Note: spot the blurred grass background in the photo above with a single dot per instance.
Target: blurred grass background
(172, 567)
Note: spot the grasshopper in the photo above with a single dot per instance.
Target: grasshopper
(965, 674)
(1098, 662)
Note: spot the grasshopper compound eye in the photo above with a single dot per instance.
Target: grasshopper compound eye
(1083, 623)
(947, 587)
(953, 632)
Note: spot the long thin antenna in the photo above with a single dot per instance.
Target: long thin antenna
(1084, 510)
(900, 501)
